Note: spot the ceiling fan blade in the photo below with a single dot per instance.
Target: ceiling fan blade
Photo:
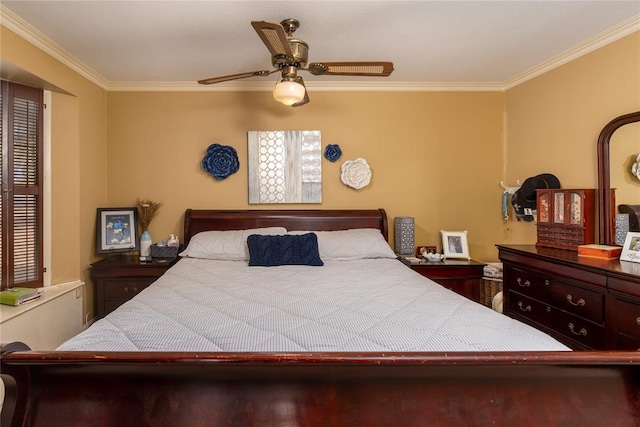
(305, 100)
(274, 37)
(364, 68)
(235, 77)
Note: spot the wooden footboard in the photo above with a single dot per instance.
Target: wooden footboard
(330, 389)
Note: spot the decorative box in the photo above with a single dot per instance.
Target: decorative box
(600, 251)
(566, 218)
(634, 215)
(164, 251)
(404, 235)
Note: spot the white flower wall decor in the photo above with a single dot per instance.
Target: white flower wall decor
(635, 168)
(355, 173)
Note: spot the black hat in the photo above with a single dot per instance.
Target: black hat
(524, 199)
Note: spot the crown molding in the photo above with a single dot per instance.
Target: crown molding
(16, 24)
(617, 32)
(13, 22)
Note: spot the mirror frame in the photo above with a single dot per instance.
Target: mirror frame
(606, 212)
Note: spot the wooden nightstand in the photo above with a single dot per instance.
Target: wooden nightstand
(461, 276)
(119, 278)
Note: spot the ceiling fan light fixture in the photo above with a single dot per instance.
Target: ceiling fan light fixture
(288, 92)
(289, 55)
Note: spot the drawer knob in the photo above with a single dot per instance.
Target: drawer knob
(582, 331)
(524, 284)
(581, 302)
(527, 308)
(134, 290)
(546, 282)
(638, 321)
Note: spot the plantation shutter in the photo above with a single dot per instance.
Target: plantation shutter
(3, 258)
(21, 186)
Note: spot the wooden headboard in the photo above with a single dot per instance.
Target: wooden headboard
(196, 221)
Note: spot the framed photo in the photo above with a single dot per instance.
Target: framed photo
(117, 230)
(454, 244)
(631, 248)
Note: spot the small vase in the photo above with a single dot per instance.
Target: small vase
(145, 246)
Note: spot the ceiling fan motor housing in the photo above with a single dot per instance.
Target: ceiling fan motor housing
(300, 51)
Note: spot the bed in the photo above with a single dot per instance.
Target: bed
(359, 340)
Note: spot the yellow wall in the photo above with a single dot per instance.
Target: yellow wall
(553, 121)
(436, 156)
(78, 159)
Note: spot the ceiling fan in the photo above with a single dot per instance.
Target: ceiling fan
(289, 55)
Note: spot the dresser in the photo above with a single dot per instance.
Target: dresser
(586, 303)
(461, 276)
(119, 278)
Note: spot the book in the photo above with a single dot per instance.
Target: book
(18, 296)
(600, 251)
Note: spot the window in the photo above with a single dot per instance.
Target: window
(21, 201)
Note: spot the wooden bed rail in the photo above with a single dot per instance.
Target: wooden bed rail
(327, 389)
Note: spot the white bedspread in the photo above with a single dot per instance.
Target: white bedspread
(362, 305)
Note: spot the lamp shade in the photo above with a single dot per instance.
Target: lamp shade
(288, 92)
(404, 231)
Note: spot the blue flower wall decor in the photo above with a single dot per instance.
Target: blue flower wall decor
(332, 152)
(221, 161)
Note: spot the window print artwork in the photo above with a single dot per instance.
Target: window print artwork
(285, 166)
(118, 229)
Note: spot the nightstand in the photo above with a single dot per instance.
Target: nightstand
(461, 276)
(119, 278)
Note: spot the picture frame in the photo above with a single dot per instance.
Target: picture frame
(455, 244)
(631, 248)
(117, 230)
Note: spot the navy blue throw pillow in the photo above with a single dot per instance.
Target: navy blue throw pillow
(269, 251)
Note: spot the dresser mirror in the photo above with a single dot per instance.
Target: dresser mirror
(618, 142)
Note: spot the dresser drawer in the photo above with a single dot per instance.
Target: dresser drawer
(462, 277)
(527, 282)
(587, 334)
(579, 301)
(627, 343)
(124, 289)
(628, 318)
(582, 302)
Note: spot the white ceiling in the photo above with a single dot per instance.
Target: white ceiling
(138, 44)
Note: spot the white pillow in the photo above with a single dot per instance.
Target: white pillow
(356, 243)
(226, 245)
